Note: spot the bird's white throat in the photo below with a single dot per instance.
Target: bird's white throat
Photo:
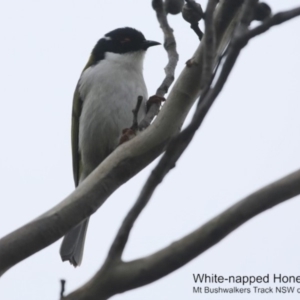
(133, 60)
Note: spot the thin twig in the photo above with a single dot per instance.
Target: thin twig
(219, 60)
(197, 30)
(130, 133)
(210, 43)
(135, 113)
(246, 17)
(170, 47)
(273, 21)
(62, 289)
(192, 13)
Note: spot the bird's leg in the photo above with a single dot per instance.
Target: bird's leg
(135, 113)
(129, 133)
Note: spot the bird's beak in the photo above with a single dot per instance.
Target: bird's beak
(147, 44)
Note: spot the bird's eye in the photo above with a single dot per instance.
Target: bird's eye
(125, 40)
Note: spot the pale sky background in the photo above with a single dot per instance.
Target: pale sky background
(250, 138)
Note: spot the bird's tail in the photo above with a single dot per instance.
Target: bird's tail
(73, 244)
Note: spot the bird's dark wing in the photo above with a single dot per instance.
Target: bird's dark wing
(76, 112)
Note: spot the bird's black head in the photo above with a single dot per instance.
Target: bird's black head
(121, 40)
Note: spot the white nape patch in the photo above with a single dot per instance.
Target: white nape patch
(107, 38)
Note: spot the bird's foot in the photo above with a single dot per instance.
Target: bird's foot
(127, 135)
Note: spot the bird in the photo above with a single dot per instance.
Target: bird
(105, 95)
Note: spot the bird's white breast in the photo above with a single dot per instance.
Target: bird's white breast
(109, 92)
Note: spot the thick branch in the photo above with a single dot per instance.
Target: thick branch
(120, 166)
(125, 276)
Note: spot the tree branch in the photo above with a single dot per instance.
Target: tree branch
(277, 19)
(62, 288)
(192, 13)
(126, 161)
(135, 113)
(170, 47)
(210, 43)
(179, 253)
(123, 276)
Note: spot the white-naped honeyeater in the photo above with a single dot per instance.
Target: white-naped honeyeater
(104, 98)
